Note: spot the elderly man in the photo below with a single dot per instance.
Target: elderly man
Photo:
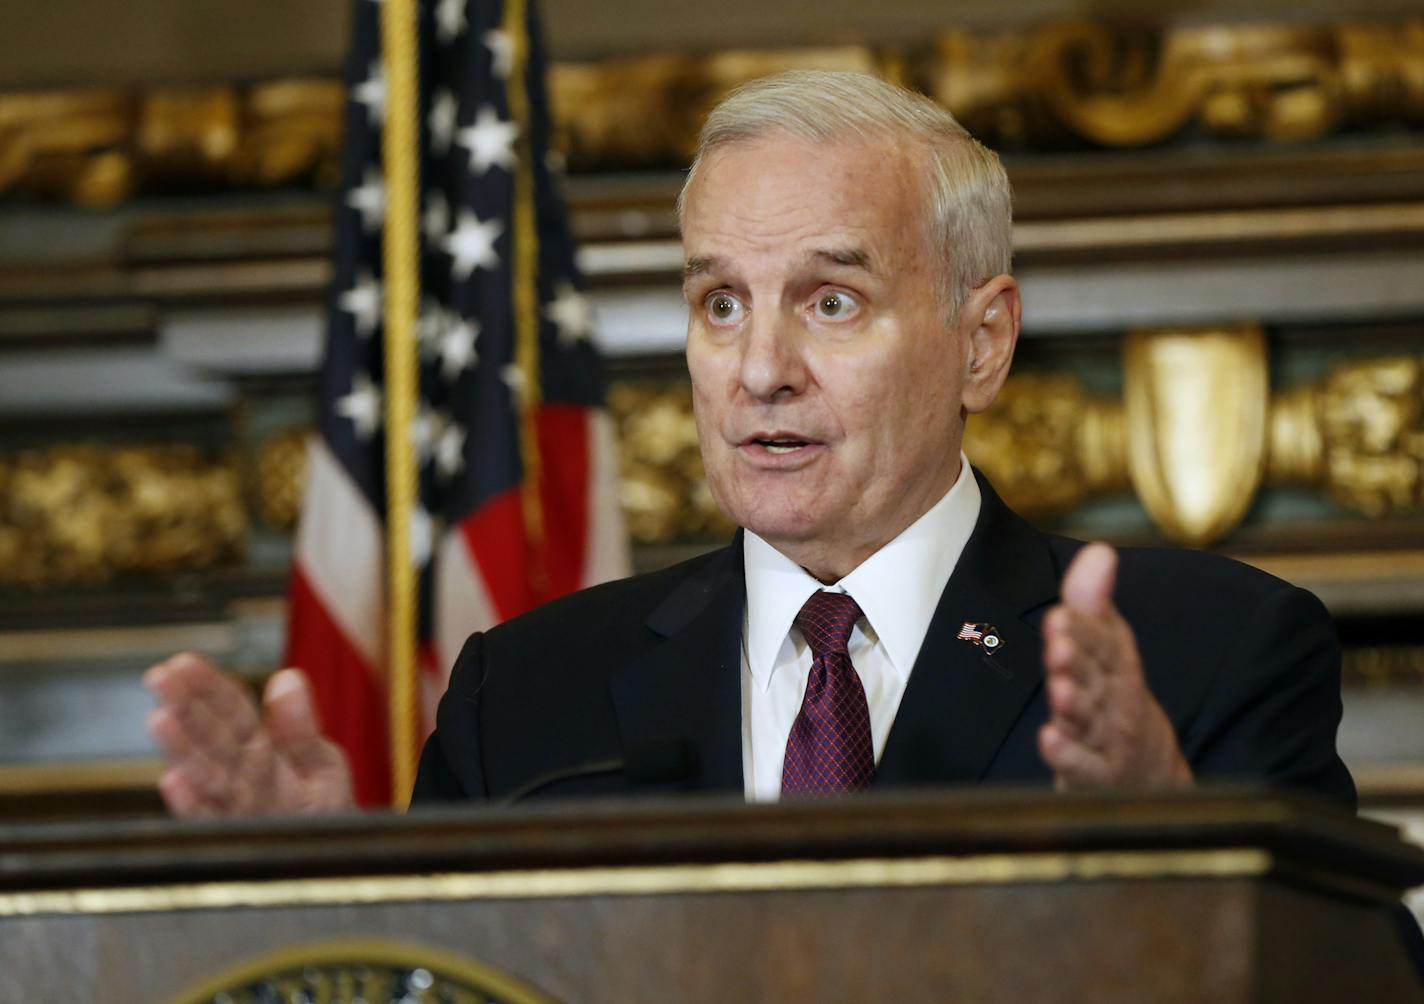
(882, 619)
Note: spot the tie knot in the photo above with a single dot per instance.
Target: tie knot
(826, 621)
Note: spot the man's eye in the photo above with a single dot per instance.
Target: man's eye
(833, 306)
(724, 308)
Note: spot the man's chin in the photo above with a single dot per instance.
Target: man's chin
(776, 529)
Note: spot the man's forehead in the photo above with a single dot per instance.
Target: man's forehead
(846, 256)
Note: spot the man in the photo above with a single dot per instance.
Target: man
(883, 618)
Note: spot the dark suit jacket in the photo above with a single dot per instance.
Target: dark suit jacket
(1246, 666)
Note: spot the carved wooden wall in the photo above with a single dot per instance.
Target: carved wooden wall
(1220, 233)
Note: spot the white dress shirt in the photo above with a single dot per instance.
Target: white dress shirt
(897, 588)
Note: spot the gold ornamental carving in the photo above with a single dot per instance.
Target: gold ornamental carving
(646, 111)
(1358, 434)
(280, 472)
(662, 487)
(1196, 434)
(82, 515)
(98, 148)
(1196, 406)
(1127, 86)
(1108, 84)
(1050, 445)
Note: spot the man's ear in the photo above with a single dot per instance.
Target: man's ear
(989, 320)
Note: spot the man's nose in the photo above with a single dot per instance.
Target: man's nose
(772, 366)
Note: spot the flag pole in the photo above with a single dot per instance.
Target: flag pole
(525, 292)
(400, 160)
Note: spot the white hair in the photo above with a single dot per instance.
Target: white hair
(971, 206)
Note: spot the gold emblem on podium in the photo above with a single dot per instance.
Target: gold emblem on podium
(376, 972)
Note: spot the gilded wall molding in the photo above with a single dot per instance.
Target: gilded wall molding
(1128, 86)
(83, 515)
(99, 147)
(1383, 666)
(1107, 84)
(279, 475)
(1195, 434)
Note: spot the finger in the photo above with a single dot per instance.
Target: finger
(1088, 585)
(213, 711)
(1096, 638)
(206, 732)
(1074, 764)
(193, 775)
(1066, 655)
(1074, 710)
(215, 781)
(182, 797)
(166, 730)
(292, 720)
(188, 680)
(207, 768)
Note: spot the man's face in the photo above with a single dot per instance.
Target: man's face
(826, 371)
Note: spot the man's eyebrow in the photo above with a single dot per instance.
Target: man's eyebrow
(852, 257)
(694, 267)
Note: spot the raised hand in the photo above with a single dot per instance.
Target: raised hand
(226, 757)
(1105, 728)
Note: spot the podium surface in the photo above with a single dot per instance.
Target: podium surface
(1211, 895)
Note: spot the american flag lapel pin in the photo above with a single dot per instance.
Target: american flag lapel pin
(986, 636)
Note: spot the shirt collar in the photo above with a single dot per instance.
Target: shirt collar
(898, 587)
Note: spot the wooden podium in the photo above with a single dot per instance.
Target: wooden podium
(1210, 896)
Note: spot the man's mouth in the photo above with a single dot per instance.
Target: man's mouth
(781, 445)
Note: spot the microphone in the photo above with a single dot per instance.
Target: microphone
(651, 761)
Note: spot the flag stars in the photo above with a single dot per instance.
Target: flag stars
(425, 431)
(362, 406)
(490, 140)
(442, 120)
(516, 381)
(571, 313)
(422, 536)
(501, 49)
(449, 20)
(450, 451)
(471, 244)
(363, 303)
(369, 199)
(434, 320)
(371, 92)
(435, 221)
(457, 348)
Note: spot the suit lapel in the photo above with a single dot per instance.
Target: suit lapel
(961, 702)
(689, 686)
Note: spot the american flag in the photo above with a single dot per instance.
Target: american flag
(970, 632)
(484, 554)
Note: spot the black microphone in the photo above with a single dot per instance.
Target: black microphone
(651, 761)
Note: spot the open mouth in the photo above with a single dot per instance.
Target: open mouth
(781, 445)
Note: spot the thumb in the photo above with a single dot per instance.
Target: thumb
(1088, 586)
(290, 714)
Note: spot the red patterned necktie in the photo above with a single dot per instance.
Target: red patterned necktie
(829, 749)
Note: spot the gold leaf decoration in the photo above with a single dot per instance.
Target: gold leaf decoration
(1371, 420)
(281, 473)
(1048, 444)
(663, 489)
(98, 148)
(82, 515)
(1127, 86)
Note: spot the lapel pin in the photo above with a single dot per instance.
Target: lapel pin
(986, 636)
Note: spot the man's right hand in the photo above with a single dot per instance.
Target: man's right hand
(227, 758)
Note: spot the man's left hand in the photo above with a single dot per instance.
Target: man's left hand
(1105, 728)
